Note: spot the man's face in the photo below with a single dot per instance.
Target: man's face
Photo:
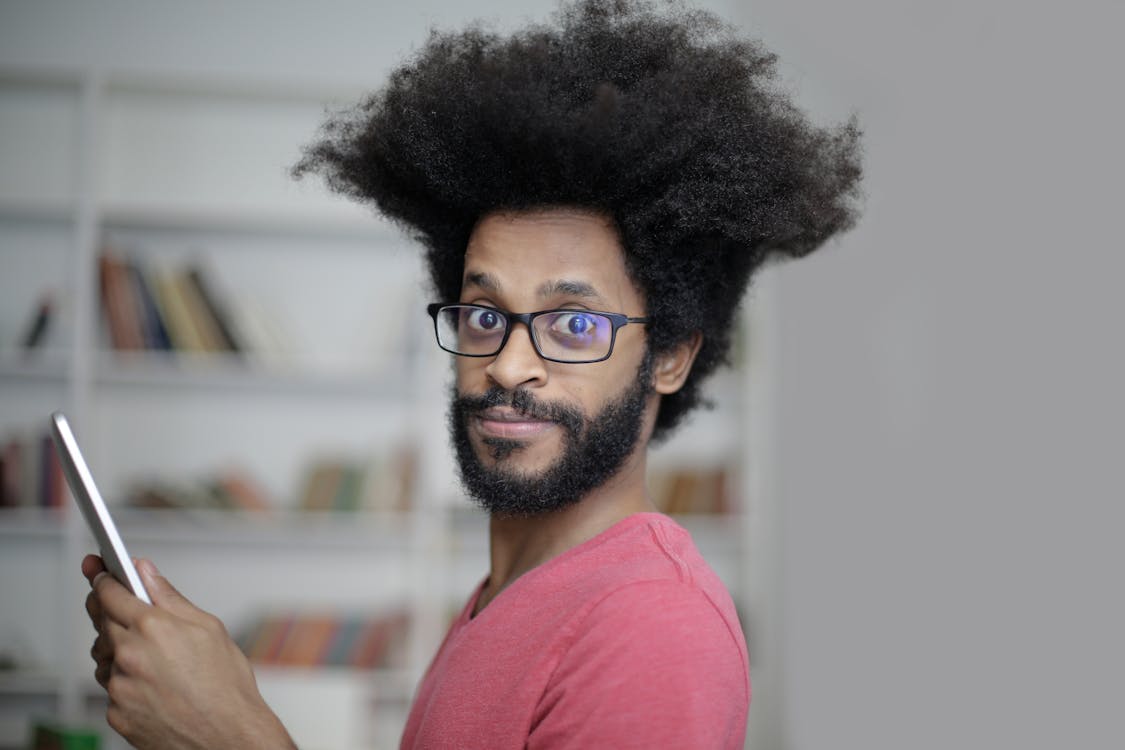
(531, 435)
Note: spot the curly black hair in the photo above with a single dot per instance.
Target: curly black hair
(660, 118)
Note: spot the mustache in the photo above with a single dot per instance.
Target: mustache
(569, 417)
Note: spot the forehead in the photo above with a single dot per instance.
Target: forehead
(546, 252)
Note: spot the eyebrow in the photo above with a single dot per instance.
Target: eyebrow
(568, 287)
(485, 281)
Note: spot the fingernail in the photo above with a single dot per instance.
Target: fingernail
(98, 577)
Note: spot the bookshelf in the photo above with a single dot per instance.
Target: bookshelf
(172, 170)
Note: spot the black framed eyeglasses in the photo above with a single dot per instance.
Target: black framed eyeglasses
(571, 336)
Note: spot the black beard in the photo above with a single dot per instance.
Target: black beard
(594, 449)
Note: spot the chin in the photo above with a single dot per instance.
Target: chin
(512, 455)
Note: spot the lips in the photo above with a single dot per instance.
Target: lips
(505, 422)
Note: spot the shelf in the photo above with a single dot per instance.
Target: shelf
(234, 372)
(190, 168)
(204, 527)
(37, 77)
(389, 684)
(36, 365)
(345, 223)
(37, 211)
(32, 523)
(304, 530)
(243, 89)
(28, 683)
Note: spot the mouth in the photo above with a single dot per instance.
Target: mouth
(510, 424)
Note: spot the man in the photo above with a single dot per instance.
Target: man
(593, 198)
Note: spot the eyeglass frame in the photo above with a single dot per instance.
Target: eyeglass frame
(616, 322)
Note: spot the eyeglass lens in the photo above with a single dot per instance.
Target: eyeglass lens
(560, 334)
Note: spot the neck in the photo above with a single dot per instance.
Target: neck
(519, 544)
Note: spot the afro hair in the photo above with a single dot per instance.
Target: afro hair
(660, 118)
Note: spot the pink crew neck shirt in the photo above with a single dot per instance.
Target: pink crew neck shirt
(628, 640)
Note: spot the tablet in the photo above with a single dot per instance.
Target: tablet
(117, 560)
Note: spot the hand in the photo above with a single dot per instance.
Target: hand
(174, 677)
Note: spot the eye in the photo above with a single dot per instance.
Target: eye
(482, 319)
(580, 324)
(576, 325)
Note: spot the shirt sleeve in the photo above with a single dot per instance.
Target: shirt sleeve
(653, 665)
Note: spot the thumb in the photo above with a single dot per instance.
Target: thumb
(162, 592)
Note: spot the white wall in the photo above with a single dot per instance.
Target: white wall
(949, 417)
(339, 40)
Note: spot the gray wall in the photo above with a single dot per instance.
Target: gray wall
(949, 422)
(950, 410)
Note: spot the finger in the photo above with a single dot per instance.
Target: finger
(94, 609)
(91, 566)
(117, 602)
(120, 644)
(102, 650)
(165, 595)
(127, 655)
(114, 632)
(102, 672)
(102, 654)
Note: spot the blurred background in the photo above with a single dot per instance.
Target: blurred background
(911, 483)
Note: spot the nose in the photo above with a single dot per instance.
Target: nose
(518, 364)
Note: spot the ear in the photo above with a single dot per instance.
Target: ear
(673, 366)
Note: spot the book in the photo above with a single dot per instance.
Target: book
(327, 639)
(271, 650)
(260, 334)
(259, 642)
(371, 644)
(388, 482)
(32, 474)
(691, 490)
(53, 492)
(322, 486)
(154, 331)
(308, 641)
(11, 474)
(176, 313)
(339, 648)
(174, 307)
(348, 488)
(119, 303)
(240, 492)
(215, 309)
(384, 482)
(202, 317)
(38, 326)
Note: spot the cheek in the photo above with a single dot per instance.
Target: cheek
(468, 373)
(590, 388)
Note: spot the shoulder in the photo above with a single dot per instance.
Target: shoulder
(662, 620)
(647, 563)
(648, 600)
(652, 664)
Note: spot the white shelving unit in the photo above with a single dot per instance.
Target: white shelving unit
(174, 169)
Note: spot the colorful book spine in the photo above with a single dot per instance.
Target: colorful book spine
(175, 308)
(213, 309)
(327, 640)
(53, 492)
(181, 326)
(120, 303)
(152, 322)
